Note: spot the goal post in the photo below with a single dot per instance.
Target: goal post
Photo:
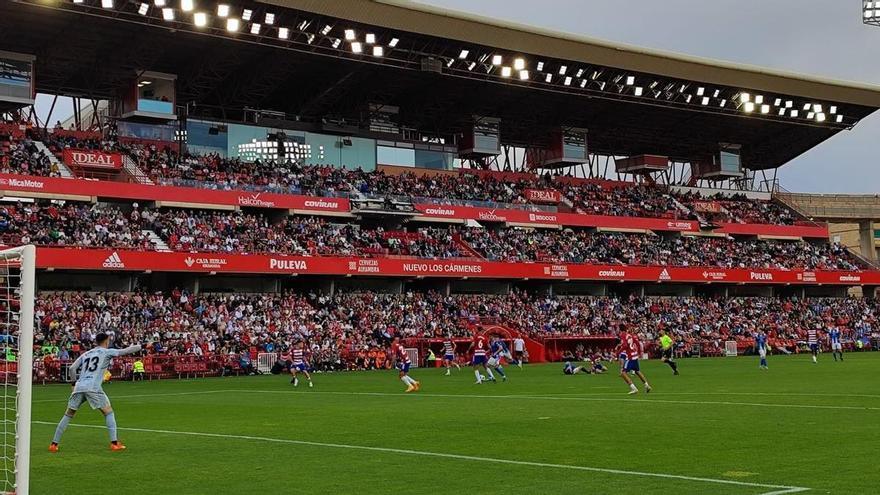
(17, 319)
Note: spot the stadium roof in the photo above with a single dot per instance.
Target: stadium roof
(632, 100)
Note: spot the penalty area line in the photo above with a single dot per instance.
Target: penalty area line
(776, 489)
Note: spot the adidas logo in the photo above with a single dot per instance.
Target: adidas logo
(664, 275)
(113, 261)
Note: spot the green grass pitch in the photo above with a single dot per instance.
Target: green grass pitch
(721, 427)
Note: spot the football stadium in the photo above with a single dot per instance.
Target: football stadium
(377, 246)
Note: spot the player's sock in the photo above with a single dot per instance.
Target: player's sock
(841, 355)
(296, 382)
(500, 371)
(814, 359)
(59, 430)
(673, 366)
(110, 419)
(489, 372)
(632, 387)
(448, 371)
(479, 377)
(764, 362)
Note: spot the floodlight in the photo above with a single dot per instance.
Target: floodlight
(820, 117)
(524, 75)
(806, 106)
(833, 108)
(580, 72)
(393, 42)
(568, 81)
(356, 47)
(370, 38)
(255, 28)
(246, 14)
(759, 99)
(562, 70)
(496, 60)
(700, 91)
(777, 102)
(463, 54)
(270, 19)
(223, 10)
(723, 103)
(283, 33)
(688, 99)
(187, 5)
(159, 3)
(143, 9)
(789, 103)
(705, 101)
(472, 65)
(765, 109)
(781, 111)
(548, 78)
(232, 24)
(200, 19)
(168, 14)
(750, 107)
(583, 83)
(519, 64)
(107, 4)
(506, 71)
(817, 108)
(717, 92)
(337, 42)
(630, 80)
(349, 34)
(839, 119)
(540, 66)
(324, 31)
(794, 113)
(449, 62)
(78, 1)
(378, 51)
(310, 38)
(811, 115)
(638, 91)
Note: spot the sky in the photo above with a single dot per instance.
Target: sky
(817, 37)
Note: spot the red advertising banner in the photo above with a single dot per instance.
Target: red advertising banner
(43, 186)
(92, 159)
(124, 260)
(707, 206)
(543, 196)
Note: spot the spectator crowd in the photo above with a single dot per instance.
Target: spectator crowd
(341, 327)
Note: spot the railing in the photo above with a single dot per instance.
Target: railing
(216, 186)
(464, 202)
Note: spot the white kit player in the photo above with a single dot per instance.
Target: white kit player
(519, 350)
(88, 369)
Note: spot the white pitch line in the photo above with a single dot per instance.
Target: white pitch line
(203, 392)
(582, 398)
(778, 489)
(570, 398)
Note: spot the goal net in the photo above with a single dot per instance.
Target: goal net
(16, 365)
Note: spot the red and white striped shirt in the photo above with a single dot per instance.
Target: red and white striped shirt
(479, 345)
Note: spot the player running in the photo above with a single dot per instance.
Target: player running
(834, 341)
(403, 363)
(449, 355)
(88, 369)
(630, 350)
(478, 346)
(813, 342)
(497, 350)
(299, 364)
(667, 351)
(519, 350)
(761, 346)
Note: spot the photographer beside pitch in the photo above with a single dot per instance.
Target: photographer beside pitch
(88, 369)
